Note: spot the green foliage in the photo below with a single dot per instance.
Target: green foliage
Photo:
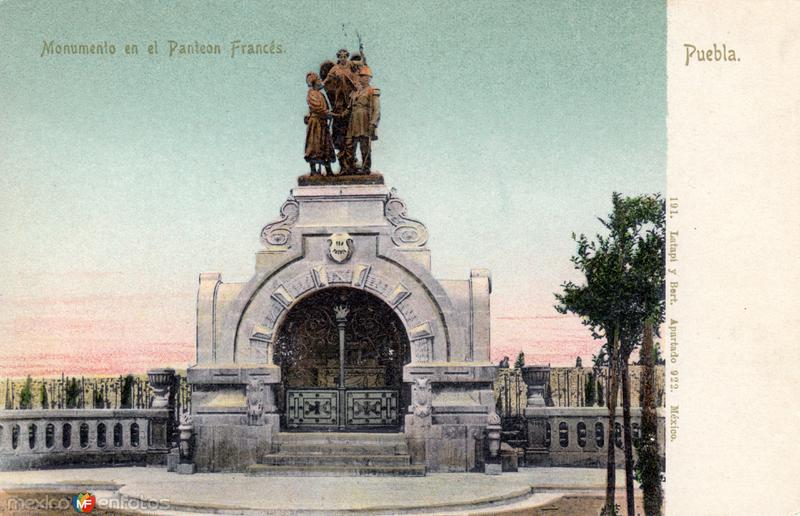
(97, 398)
(72, 393)
(614, 511)
(647, 470)
(26, 396)
(624, 272)
(600, 400)
(126, 397)
(8, 404)
(658, 359)
(622, 290)
(45, 402)
(520, 362)
(589, 391)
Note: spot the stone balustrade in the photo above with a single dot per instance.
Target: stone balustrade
(50, 438)
(578, 436)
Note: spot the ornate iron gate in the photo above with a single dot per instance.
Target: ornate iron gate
(341, 353)
(361, 408)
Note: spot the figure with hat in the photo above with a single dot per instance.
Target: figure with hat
(339, 82)
(319, 146)
(365, 113)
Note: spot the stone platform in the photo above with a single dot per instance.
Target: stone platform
(373, 178)
(160, 492)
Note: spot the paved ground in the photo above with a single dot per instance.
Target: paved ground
(154, 488)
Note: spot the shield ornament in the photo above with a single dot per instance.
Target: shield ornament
(340, 247)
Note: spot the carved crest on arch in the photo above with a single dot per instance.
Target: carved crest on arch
(340, 247)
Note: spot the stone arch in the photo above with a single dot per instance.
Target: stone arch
(419, 302)
(310, 356)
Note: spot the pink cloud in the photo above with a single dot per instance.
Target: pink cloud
(106, 333)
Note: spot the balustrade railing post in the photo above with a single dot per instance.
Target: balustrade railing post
(536, 378)
(161, 427)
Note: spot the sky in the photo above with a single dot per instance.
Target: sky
(505, 127)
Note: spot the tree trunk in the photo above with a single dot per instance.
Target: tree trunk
(611, 398)
(626, 430)
(649, 458)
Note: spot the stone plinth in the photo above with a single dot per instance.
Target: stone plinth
(373, 178)
(340, 233)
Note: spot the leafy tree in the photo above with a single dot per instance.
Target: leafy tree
(126, 397)
(658, 357)
(599, 394)
(8, 405)
(26, 395)
(97, 398)
(43, 397)
(72, 393)
(589, 393)
(520, 362)
(623, 289)
(648, 467)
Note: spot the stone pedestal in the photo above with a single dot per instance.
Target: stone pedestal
(173, 459)
(509, 459)
(343, 235)
(230, 432)
(537, 378)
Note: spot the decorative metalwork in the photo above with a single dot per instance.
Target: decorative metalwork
(307, 347)
(312, 408)
(372, 408)
(341, 353)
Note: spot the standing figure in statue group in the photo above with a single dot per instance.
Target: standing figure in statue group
(365, 113)
(339, 82)
(319, 146)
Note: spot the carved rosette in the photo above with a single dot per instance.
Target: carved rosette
(278, 234)
(408, 233)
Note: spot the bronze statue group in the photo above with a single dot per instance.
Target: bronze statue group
(344, 119)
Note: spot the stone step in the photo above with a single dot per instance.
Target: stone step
(340, 443)
(282, 459)
(265, 470)
(339, 437)
(340, 449)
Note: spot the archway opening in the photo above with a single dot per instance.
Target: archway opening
(341, 353)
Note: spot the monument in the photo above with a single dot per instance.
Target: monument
(342, 342)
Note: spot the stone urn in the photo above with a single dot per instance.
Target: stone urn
(537, 378)
(161, 381)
